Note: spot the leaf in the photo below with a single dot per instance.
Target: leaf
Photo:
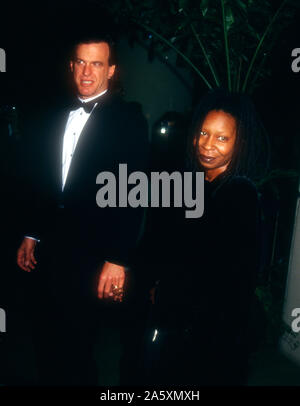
(173, 8)
(241, 4)
(204, 7)
(182, 4)
(229, 18)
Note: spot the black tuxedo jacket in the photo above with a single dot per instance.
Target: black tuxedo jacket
(70, 220)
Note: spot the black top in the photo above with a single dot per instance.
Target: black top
(210, 264)
(207, 269)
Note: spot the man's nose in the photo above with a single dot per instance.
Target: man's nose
(86, 70)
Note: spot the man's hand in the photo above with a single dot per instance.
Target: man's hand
(111, 281)
(25, 255)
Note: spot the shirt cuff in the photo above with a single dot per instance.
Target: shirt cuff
(31, 238)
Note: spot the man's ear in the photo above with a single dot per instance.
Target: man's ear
(111, 71)
(71, 66)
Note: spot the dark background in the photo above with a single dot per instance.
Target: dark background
(35, 38)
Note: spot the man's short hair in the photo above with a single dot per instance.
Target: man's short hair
(96, 38)
(90, 37)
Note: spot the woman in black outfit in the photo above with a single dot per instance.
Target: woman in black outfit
(204, 296)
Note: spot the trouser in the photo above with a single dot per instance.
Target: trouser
(183, 346)
(79, 339)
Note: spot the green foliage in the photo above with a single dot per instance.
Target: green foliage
(274, 175)
(271, 296)
(224, 42)
(270, 288)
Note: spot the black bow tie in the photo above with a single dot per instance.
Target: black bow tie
(87, 106)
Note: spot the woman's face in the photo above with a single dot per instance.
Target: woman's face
(216, 143)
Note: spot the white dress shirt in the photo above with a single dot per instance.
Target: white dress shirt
(75, 124)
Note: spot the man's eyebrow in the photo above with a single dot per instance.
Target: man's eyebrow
(79, 59)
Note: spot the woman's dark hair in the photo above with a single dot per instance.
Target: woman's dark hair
(251, 149)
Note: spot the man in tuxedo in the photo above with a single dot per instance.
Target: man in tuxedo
(84, 250)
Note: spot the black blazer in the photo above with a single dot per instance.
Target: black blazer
(116, 132)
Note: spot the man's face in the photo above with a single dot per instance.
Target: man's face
(91, 70)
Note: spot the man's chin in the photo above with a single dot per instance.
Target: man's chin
(86, 93)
